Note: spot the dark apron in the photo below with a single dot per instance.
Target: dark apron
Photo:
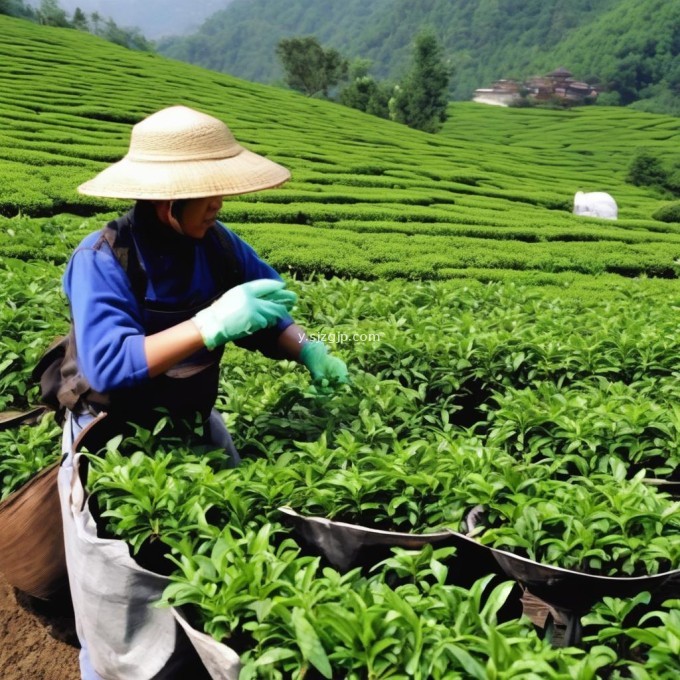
(187, 389)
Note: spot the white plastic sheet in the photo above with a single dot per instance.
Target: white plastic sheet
(220, 661)
(595, 204)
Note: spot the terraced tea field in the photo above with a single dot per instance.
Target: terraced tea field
(489, 196)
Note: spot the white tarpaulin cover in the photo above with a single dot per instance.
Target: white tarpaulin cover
(595, 204)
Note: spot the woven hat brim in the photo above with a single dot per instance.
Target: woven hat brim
(171, 180)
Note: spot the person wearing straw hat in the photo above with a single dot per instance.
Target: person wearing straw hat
(157, 293)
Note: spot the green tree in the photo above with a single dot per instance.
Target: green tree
(309, 68)
(422, 98)
(126, 37)
(16, 8)
(364, 93)
(95, 18)
(79, 20)
(646, 169)
(50, 13)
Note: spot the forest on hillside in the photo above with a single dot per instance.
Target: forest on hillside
(154, 18)
(627, 48)
(51, 13)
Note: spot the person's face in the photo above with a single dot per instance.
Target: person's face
(194, 216)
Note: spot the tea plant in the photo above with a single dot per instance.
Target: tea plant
(610, 620)
(646, 646)
(294, 618)
(387, 451)
(27, 450)
(660, 644)
(596, 524)
(30, 317)
(592, 426)
(150, 488)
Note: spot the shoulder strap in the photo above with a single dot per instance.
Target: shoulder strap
(118, 234)
(226, 267)
(62, 385)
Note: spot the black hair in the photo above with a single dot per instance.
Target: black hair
(177, 209)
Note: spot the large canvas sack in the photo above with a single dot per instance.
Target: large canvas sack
(31, 539)
(127, 637)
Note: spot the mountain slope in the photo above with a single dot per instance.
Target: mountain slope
(484, 39)
(634, 48)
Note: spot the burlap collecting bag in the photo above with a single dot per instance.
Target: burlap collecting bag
(31, 538)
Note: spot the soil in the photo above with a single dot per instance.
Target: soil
(37, 638)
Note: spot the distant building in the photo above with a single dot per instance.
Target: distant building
(503, 93)
(558, 84)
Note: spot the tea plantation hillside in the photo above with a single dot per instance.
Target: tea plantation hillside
(551, 405)
(488, 198)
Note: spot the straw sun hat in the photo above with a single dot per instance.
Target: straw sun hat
(181, 153)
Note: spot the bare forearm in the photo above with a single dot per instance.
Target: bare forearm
(291, 340)
(165, 349)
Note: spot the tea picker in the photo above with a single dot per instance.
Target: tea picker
(155, 295)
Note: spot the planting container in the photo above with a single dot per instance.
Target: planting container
(574, 590)
(127, 636)
(346, 546)
(554, 598)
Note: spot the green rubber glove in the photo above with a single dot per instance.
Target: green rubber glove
(243, 310)
(323, 366)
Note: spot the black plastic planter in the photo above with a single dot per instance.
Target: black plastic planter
(576, 590)
(569, 594)
(566, 594)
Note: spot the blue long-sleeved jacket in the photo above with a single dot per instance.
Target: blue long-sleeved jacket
(107, 318)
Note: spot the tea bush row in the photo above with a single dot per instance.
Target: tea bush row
(32, 314)
(450, 335)
(373, 255)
